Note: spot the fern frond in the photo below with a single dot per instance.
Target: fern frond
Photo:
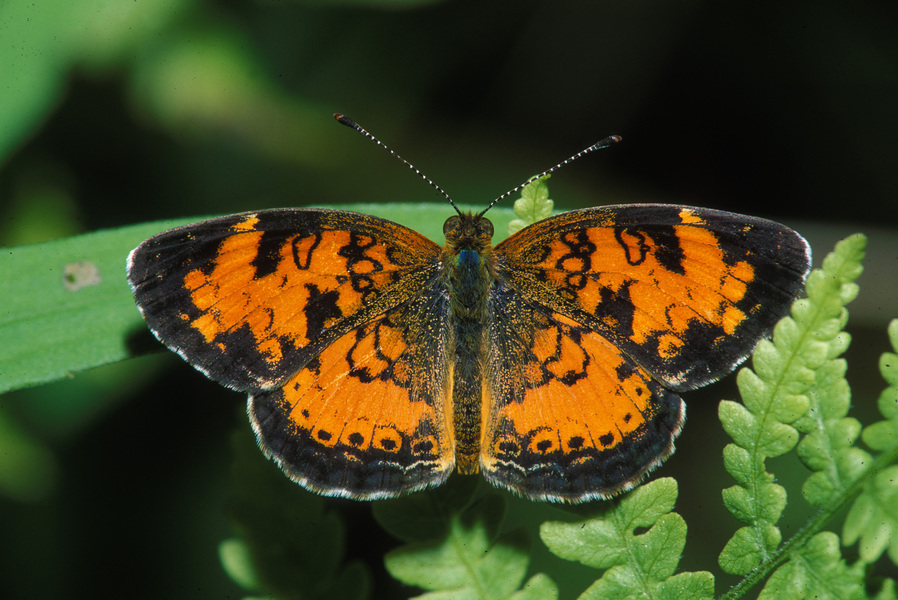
(454, 547)
(778, 393)
(533, 205)
(636, 565)
(816, 570)
(873, 519)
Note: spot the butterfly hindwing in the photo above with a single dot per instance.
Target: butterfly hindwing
(367, 417)
(568, 417)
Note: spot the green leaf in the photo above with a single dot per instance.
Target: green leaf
(602, 542)
(471, 560)
(236, 560)
(424, 516)
(739, 502)
(533, 205)
(67, 306)
(539, 587)
(815, 571)
(887, 591)
(739, 463)
(768, 438)
(873, 518)
(883, 436)
(638, 565)
(687, 586)
(748, 548)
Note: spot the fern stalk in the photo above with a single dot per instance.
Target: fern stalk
(811, 528)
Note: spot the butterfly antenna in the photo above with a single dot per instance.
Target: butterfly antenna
(353, 125)
(604, 143)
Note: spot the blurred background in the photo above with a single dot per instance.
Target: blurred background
(113, 113)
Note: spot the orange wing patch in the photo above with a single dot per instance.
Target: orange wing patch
(307, 271)
(625, 266)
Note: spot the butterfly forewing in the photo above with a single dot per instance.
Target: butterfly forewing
(248, 299)
(684, 292)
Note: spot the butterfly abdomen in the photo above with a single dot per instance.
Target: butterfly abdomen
(469, 281)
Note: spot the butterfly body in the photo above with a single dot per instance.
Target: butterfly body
(377, 362)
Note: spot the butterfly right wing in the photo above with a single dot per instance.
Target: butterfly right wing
(599, 310)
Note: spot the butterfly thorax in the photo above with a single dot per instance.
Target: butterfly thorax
(467, 260)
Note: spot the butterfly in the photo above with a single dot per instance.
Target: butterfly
(377, 362)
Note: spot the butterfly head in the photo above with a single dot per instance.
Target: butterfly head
(466, 231)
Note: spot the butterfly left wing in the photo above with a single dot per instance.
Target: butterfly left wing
(567, 417)
(247, 299)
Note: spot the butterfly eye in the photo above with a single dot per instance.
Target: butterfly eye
(450, 224)
(486, 228)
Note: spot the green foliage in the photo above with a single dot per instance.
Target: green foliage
(533, 205)
(816, 570)
(454, 547)
(636, 565)
(873, 519)
(797, 397)
(791, 389)
(290, 546)
(67, 306)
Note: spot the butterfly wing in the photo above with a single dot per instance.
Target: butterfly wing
(248, 299)
(367, 417)
(685, 292)
(568, 417)
(331, 320)
(611, 306)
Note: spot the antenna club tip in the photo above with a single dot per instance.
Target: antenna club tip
(341, 118)
(605, 142)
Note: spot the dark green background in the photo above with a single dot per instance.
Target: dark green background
(116, 112)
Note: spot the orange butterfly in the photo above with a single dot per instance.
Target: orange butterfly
(377, 362)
